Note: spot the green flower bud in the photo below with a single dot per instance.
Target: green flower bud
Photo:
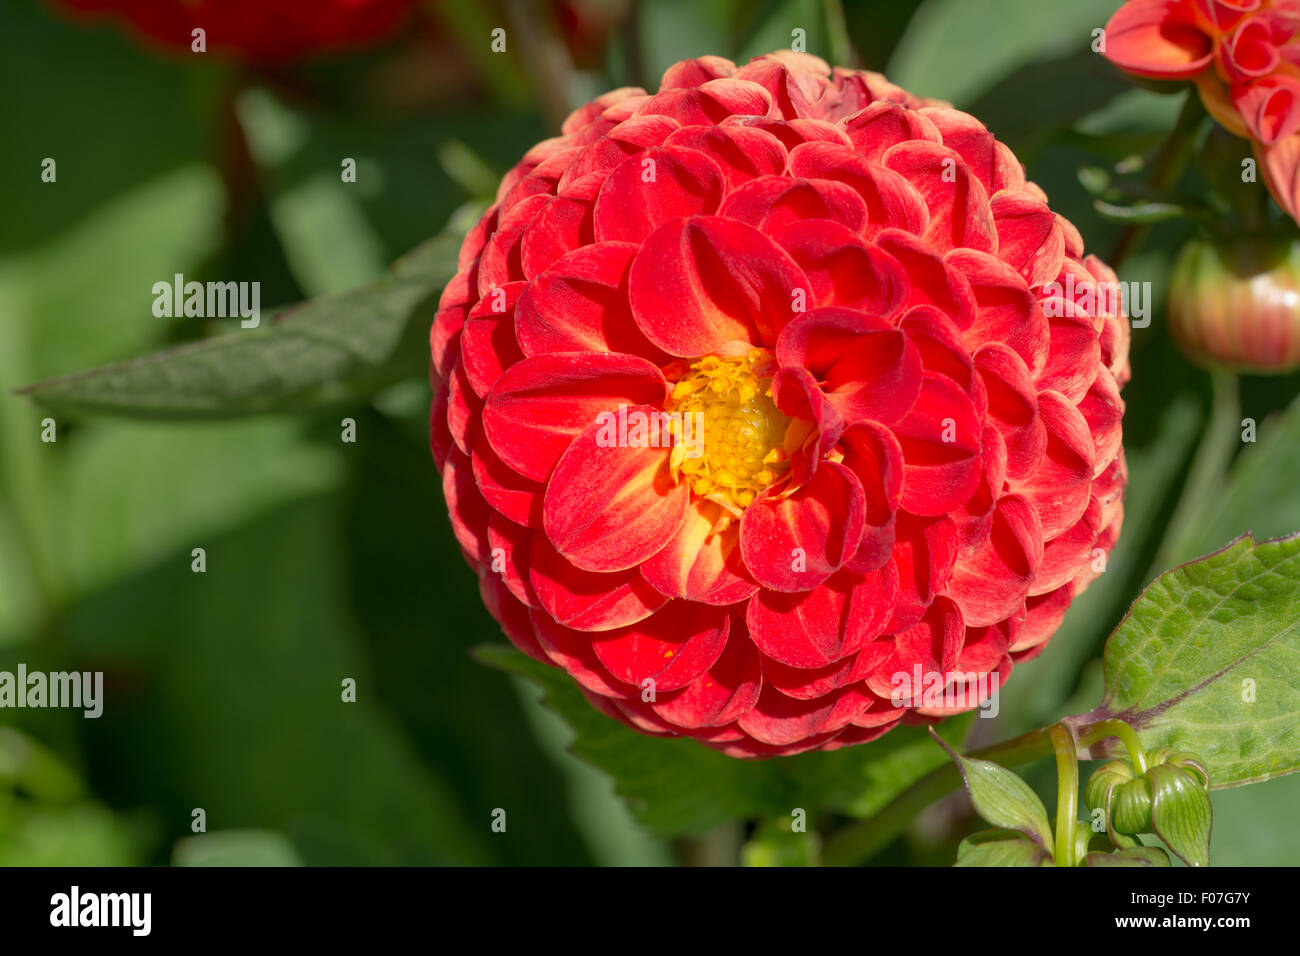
(1236, 304)
(1104, 780)
(1130, 807)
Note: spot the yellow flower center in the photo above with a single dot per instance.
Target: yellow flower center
(730, 436)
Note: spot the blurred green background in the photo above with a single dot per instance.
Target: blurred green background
(328, 560)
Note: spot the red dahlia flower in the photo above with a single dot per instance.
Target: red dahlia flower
(1244, 56)
(260, 30)
(759, 395)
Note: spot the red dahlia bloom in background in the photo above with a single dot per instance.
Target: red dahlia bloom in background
(260, 30)
(903, 384)
(1244, 56)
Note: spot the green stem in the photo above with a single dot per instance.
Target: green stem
(1219, 443)
(856, 843)
(1102, 729)
(841, 50)
(1067, 793)
(1166, 169)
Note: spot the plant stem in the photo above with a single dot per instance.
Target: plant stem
(1166, 169)
(1102, 729)
(1067, 793)
(1209, 466)
(856, 843)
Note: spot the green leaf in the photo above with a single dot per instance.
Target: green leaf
(1000, 848)
(1208, 661)
(1133, 856)
(1181, 813)
(236, 848)
(1003, 799)
(682, 787)
(327, 352)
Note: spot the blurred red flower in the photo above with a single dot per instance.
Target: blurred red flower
(265, 31)
(760, 395)
(1244, 56)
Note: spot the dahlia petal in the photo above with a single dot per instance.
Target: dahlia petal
(510, 545)
(1007, 311)
(992, 162)
(792, 133)
(940, 438)
(843, 269)
(584, 115)
(501, 262)
(542, 180)
(925, 554)
(1250, 52)
(1157, 39)
(539, 405)
(867, 369)
(700, 283)
(797, 395)
(892, 202)
(580, 304)
(487, 343)
(933, 281)
(883, 125)
(564, 223)
(468, 511)
(586, 601)
(797, 88)
(1281, 164)
(824, 625)
(1043, 615)
(795, 542)
(1073, 355)
(463, 409)
(929, 647)
(692, 73)
(444, 339)
(1060, 487)
(1103, 410)
(698, 564)
(625, 139)
(709, 103)
(960, 216)
(508, 492)
(657, 185)
(609, 507)
(991, 584)
(741, 152)
(770, 203)
(720, 696)
(574, 651)
(1013, 407)
(671, 648)
(1029, 237)
(1069, 551)
(806, 683)
(873, 454)
(513, 616)
(777, 720)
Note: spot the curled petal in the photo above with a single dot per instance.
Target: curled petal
(795, 542)
(1159, 39)
(991, 583)
(610, 507)
(537, 407)
(700, 283)
(586, 601)
(653, 187)
(698, 562)
(824, 625)
(671, 648)
(940, 438)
